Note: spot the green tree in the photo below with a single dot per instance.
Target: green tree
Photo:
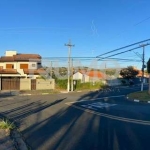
(110, 72)
(129, 72)
(148, 70)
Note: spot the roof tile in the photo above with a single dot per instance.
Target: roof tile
(8, 71)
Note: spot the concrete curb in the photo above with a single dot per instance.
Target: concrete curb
(138, 101)
(45, 93)
(18, 139)
(61, 92)
(25, 94)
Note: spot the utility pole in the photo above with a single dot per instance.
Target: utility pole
(51, 72)
(143, 65)
(69, 45)
(72, 74)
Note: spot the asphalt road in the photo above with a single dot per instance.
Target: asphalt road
(81, 121)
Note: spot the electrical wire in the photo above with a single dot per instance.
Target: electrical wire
(123, 47)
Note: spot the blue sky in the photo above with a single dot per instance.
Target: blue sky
(94, 26)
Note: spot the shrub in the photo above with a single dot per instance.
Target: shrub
(6, 124)
(61, 83)
(89, 85)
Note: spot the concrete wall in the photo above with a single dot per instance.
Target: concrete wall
(42, 84)
(25, 84)
(10, 53)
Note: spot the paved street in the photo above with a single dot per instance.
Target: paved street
(81, 121)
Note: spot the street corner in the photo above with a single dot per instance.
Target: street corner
(137, 100)
(97, 104)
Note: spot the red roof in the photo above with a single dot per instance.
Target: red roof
(8, 71)
(35, 72)
(26, 57)
(96, 74)
(7, 59)
(21, 57)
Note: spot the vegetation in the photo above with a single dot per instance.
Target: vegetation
(89, 85)
(62, 84)
(129, 72)
(6, 124)
(142, 95)
(110, 71)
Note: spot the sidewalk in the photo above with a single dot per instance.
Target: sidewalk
(6, 143)
(11, 140)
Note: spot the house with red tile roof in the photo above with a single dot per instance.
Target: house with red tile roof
(20, 65)
(89, 76)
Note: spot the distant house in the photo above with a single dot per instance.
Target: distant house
(141, 73)
(89, 76)
(20, 65)
(96, 76)
(81, 76)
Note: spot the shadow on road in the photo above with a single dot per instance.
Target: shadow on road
(5, 94)
(28, 109)
(72, 129)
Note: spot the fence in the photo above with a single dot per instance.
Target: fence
(26, 84)
(10, 83)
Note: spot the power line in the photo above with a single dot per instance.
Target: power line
(81, 58)
(124, 51)
(123, 47)
(142, 21)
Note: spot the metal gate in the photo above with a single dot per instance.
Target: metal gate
(33, 84)
(10, 83)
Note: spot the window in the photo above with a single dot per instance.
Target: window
(39, 64)
(33, 65)
(9, 66)
(23, 66)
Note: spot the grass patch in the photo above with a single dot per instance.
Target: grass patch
(6, 124)
(143, 96)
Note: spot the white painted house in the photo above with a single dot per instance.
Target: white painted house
(81, 76)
